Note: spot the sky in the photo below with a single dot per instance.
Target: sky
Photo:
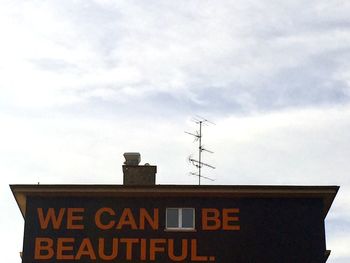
(83, 81)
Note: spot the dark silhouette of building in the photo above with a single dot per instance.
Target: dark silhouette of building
(144, 222)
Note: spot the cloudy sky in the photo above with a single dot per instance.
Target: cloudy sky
(83, 81)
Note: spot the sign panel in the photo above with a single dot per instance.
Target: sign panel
(224, 230)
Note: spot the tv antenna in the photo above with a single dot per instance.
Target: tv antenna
(198, 137)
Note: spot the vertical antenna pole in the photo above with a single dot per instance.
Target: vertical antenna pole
(200, 152)
(198, 163)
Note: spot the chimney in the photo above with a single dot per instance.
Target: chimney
(135, 174)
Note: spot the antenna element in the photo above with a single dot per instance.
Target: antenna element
(198, 137)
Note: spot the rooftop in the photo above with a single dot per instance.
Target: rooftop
(326, 193)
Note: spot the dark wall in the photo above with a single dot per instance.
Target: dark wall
(271, 230)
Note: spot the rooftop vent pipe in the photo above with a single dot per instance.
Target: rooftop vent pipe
(132, 158)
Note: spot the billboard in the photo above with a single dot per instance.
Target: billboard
(139, 229)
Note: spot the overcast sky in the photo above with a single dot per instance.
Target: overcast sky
(83, 81)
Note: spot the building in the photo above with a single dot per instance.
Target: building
(143, 222)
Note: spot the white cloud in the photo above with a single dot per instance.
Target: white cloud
(288, 147)
(83, 81)
(340, 248)
(307, 146)
(245, 50)
(291, 146)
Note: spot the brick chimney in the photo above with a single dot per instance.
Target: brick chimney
(135, 174)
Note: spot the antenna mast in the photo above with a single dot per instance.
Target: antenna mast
(198, 137)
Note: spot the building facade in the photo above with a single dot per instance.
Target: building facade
(174, 223)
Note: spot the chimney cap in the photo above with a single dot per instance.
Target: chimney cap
(132, 158)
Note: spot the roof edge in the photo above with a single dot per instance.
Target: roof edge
(327, 193)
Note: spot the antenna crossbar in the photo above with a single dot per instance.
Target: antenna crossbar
(194, 135)
(208, 178)
(201, 163)
(206, 150)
